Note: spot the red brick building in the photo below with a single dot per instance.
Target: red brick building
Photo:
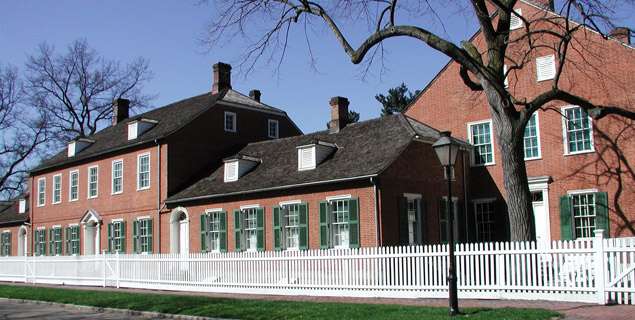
(14, 220)
(105, 192)
(578, 168)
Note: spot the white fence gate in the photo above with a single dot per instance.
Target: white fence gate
(594, 270)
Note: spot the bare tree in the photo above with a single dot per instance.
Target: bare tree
(23, 132)
(481, 69)
(76, 89)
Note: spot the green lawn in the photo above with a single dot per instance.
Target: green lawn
(254, 309)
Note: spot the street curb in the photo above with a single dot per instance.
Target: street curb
(126, 312)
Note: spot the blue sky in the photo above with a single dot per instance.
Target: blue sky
(167, 33)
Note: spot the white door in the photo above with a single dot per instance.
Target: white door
(541, 219)
(184, 244)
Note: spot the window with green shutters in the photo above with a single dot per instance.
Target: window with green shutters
(55, 241)
(40, 242)
(583, 213)
(5, 243)
(249, 229)
(339, 223)
(214, 231)
(290, 227)
(142, 235)
(117, 237)
(71, 237)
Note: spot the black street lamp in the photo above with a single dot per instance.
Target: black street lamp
(446, 150)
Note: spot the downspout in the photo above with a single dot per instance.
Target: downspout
(373, 180)
(156, 141)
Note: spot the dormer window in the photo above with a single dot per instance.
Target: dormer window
(138, 127)
(238, 166)
(77, 145)
(311, 155)
(22, 206)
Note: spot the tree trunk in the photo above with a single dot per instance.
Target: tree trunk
(509, 133)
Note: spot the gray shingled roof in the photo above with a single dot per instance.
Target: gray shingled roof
(170, 118)
(364, 149)
(9, 213)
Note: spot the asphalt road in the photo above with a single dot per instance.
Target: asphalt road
(17, 310)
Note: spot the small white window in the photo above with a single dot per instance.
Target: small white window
(93, 181)
(577, 130)
(231, 171)
(41, 191)
(73, 185)
(515, 22)
(132, 130)
(532, 138)
(480, 135)
(117, 176)
(272, 128)
(57, 188)
(545, 68)
(143, 171)
(22, 206)
(306, 158)
(230, 121)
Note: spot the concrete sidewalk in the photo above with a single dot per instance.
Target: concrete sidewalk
(571, 310)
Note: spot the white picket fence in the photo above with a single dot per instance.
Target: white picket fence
(595, 270)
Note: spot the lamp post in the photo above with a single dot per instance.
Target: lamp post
(446, 151)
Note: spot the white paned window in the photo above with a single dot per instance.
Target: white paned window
(532, 138)
(340, 223)
(213, 236)
(515, 22)
(73, 185)
(251, 229)
(117, 176)
(484, 211)
(93, 182)
(57, 188)
(545, 68)
(481, 137)
(578, 130)
(291, 216)
(412, 220)
(272, 128)
(41, 191)
(584, 213)
(143, 171)
(306, 158)
(117, 236)
(231, 171)
(145, 235)
(230, 121)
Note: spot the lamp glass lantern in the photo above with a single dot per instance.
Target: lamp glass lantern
(446, 149)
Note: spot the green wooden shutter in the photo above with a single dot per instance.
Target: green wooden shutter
(67, 241)
(58, 241)
(303, 227)
(135, 237)
(122, 226)
(150, 236)
(110, 226)
(222, 232)
(277, 232)
(204, 218)
(602, 213)
(260, 229)
(324, 225)
(51, 242)
(353, 223)
(566, 217)
(9, 243)
(237, 231)
(403, 221)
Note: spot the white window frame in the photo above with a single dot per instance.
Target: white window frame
(54, 190)
(233, 115)
(469, 139)
(112, 177)
(332, 224)
(213, 213)
(230, 171)
(539, 156)
(555, 69)
(144, 239)
(41, 201)
(269, 122)
(70, 185)
(139, 188)
(246, 230)
(302, 166)
(586, 192)
(519, 11)
(96, 183)
(418, 216)
(565, 132)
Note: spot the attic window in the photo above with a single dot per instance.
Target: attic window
(22, 206)
(515, 22)
(77, 145)
(238, 166)
(139, 127)
(545, 68)
(309, 156)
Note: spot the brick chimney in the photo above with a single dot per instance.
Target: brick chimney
(339, 114)
(255, 94)
(621, 34)
(120, 111)
(222, 77)
(545, 4)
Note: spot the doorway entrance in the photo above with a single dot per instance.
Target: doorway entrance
(539, 188)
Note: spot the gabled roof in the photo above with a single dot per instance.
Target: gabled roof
(9, 213)
(170, 119)
(364, 149)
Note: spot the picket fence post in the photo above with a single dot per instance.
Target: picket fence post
(26, 269)
(104, 268)
(599, 262)
(117, 268)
